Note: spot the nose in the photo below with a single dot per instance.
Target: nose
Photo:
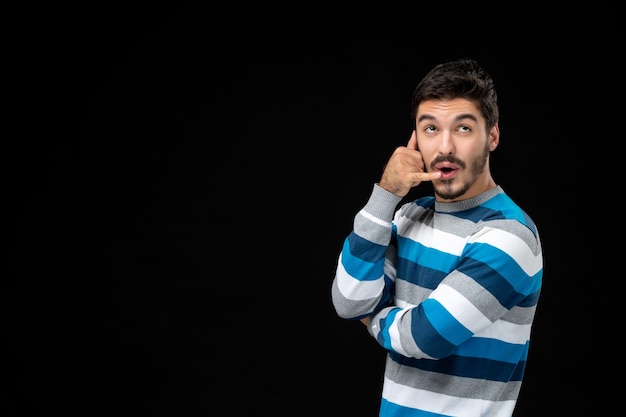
(446, 143)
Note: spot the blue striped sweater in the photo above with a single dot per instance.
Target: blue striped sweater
(451, 290)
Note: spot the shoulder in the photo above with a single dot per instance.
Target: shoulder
(508, 215)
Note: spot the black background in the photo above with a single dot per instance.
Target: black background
(180, 181)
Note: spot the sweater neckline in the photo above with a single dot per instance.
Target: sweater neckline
(469, 203)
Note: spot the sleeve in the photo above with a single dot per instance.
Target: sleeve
(360, 285)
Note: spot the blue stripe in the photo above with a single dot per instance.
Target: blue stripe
(506, 208)
(481, 347)
(363, 248)
(518, 372)
(468, 367)
(384, 339)
(427, 337)
(480, 213)
(498, 260)
(532, 299)
(425, 256)
(508, 293)
(444, 322)
(388, 409)
(427, 202)
(419, 275)
(356, 262)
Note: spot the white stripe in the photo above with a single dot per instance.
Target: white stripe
(356, 290)
(437, 239)
(512, 245)
(460, 307)
(469, 316)
(374, 219)
(517, 334)
(444, 404)
(394, 334)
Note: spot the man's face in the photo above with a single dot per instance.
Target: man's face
(452, 138)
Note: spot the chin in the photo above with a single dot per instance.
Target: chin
(447, 192)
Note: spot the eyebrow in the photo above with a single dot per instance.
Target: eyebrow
(460, 117)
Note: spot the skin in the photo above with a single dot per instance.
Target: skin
(454, 147)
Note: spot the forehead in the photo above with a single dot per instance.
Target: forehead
(447, 109)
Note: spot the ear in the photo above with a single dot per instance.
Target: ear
(494, 137)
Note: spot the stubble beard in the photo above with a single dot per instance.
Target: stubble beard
(451, 189)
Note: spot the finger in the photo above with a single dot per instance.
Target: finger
(427, 176)
(412, 141)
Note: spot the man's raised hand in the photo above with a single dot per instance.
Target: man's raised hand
(405, 169)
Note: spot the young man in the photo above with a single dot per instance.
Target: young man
(447, 284)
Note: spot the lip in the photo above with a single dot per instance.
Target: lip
(447, 170)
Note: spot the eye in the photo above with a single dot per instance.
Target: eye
(430, 129)
(465, 128)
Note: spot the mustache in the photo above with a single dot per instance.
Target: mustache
(447, 158)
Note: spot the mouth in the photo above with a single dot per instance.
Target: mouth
(448, 171)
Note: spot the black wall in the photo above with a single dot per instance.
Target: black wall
(181, 180)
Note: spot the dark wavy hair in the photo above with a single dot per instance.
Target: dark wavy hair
(463, 78)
